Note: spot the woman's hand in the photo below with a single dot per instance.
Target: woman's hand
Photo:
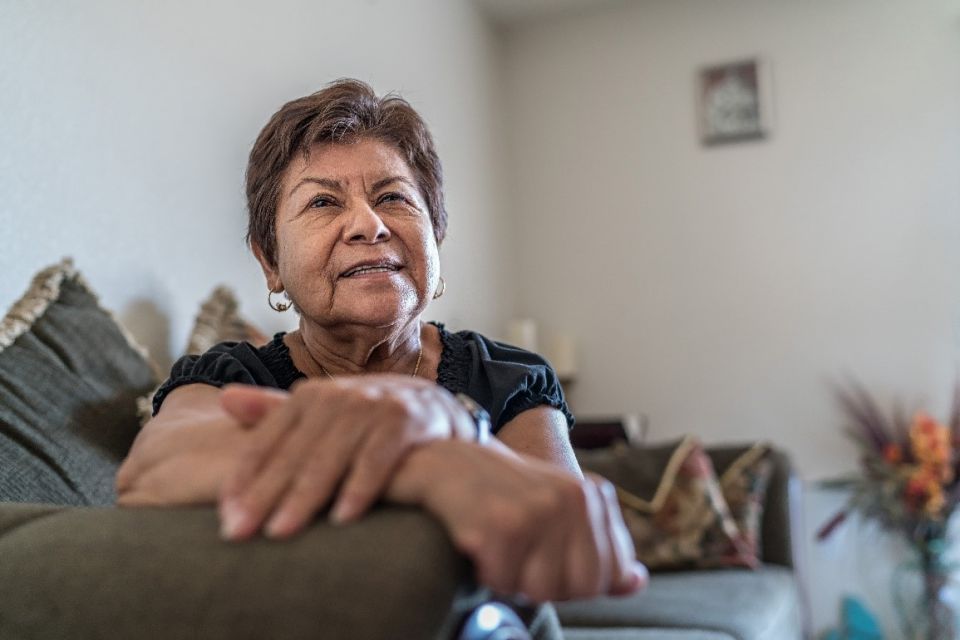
(182, 455)
(342, 437)
(529, 527)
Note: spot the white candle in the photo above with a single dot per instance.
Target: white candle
(522, 332)
(563, 355)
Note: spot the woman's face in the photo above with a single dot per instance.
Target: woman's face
(355, 244)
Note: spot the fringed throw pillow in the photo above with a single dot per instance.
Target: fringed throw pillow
(676, 507)
(70, 376)
(744, 485)
(219, 320)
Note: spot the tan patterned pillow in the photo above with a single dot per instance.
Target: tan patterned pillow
(219, 320)
(744, 484)
(673, 505)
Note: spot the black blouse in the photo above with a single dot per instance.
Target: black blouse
(504, 380)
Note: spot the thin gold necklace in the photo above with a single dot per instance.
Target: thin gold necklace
(416, 368)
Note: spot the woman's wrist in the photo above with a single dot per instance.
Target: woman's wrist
(423, 471)
(478, 416)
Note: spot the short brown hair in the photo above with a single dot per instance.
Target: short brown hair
(341, 112)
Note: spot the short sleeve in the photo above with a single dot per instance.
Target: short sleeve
(225, 363)
(503, 379)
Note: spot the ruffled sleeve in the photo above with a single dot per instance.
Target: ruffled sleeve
(503, 379)
(225, 363)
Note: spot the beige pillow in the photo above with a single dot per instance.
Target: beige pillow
(744, 485)
(219, 320)
(675, 506)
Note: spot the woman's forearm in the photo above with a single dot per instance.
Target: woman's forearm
(528, 525)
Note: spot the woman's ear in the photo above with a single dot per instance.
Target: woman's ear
(269, 270)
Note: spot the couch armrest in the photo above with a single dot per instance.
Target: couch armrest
(780, 515)
(82, 572)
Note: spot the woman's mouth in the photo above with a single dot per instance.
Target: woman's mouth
(370, 269)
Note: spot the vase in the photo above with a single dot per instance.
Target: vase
(923, 593)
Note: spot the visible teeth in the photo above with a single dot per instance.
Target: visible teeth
(370, 270)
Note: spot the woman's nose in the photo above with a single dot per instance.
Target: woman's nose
(364, 225)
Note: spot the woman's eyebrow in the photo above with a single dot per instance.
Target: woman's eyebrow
(381, 183)
(329, 183)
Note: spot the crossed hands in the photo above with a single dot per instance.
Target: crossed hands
(340, 438)
(529, 527)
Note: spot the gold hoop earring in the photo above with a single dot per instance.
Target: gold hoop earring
(443, 287)
(279, 307)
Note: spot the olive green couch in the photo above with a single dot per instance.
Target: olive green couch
(74, 566)
(90, 573)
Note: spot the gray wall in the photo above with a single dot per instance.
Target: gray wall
(126, 126)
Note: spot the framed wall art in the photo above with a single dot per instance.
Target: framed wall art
(734, 101)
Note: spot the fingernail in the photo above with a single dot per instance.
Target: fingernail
(231, 518)
(277, 525)
(342, 511)
(641, 573)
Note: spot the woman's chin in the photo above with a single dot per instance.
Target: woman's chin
(383, 312)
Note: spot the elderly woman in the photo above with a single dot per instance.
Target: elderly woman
(366, 401)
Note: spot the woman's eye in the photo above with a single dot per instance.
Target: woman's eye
(393, 197)
(321, 201)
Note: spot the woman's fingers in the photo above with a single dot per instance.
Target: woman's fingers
(249, 404)
(315, 483)
(308, 464)
(585, 552)
(572, 539)
(305, 442)
(263, 441)
(500, 559)
(242, 510)
(543, 576)
(628, 575)
(373, 466)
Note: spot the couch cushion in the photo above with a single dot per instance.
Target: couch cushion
(69, 379)
(748, 605)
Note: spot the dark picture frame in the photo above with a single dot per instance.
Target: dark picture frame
(734, 101)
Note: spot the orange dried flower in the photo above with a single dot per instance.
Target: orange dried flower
(924, 491)
(916, 486)
(935, 502)
(893, 453)
(930, 442)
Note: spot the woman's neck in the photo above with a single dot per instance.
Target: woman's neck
(356, 350)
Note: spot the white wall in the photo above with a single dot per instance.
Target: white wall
(722, 290)
(125, 128)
